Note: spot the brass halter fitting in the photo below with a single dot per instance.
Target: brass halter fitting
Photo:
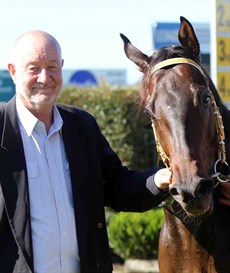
(160, 150)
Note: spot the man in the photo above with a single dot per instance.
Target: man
(58, 172)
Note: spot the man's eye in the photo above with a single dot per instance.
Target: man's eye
(53, 68)
(33, 69)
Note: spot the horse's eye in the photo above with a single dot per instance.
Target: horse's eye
(206, 99)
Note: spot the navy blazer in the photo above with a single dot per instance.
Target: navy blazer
(98, 180)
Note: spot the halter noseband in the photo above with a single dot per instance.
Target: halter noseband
(217, 115)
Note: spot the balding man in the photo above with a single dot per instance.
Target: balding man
(58, 172)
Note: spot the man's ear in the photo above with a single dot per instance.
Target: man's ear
(12, 71)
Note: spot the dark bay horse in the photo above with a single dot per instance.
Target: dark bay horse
(192, 132)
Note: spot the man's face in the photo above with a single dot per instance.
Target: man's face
(37, 72)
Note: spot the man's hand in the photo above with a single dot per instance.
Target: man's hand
(163, 178)
(225, 191)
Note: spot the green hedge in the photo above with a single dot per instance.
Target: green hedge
(115, 109)
(135, 235)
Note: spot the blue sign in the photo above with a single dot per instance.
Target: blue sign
(7, 89)
(83, 77)
(166, 34)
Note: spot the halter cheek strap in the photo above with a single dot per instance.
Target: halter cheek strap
(216, 111)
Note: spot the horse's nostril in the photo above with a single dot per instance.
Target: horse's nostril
(173, 191)
(204, 187)
(187, 193)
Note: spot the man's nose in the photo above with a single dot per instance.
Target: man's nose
(43, 76)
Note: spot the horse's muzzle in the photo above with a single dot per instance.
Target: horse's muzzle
(196, 197)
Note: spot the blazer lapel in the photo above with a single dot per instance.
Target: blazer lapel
(76, 150)
(14, 182)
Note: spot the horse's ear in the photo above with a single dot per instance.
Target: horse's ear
(187, 37)
(134, 54)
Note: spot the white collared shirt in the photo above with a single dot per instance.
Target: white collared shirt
(54, 239)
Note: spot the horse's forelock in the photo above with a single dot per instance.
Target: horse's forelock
(169, 52)
(158, 56)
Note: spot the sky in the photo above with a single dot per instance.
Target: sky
(88, 30)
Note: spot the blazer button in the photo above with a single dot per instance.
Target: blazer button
(99, 225)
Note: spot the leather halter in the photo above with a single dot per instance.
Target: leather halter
(174, 61)
(217, 115)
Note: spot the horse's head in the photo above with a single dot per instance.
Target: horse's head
(175, 92)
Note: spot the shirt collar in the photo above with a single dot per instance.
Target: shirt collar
(29, 121)
(58, 122)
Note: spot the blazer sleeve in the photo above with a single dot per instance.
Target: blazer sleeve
(124, 189)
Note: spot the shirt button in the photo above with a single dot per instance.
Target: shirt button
(99, 225)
